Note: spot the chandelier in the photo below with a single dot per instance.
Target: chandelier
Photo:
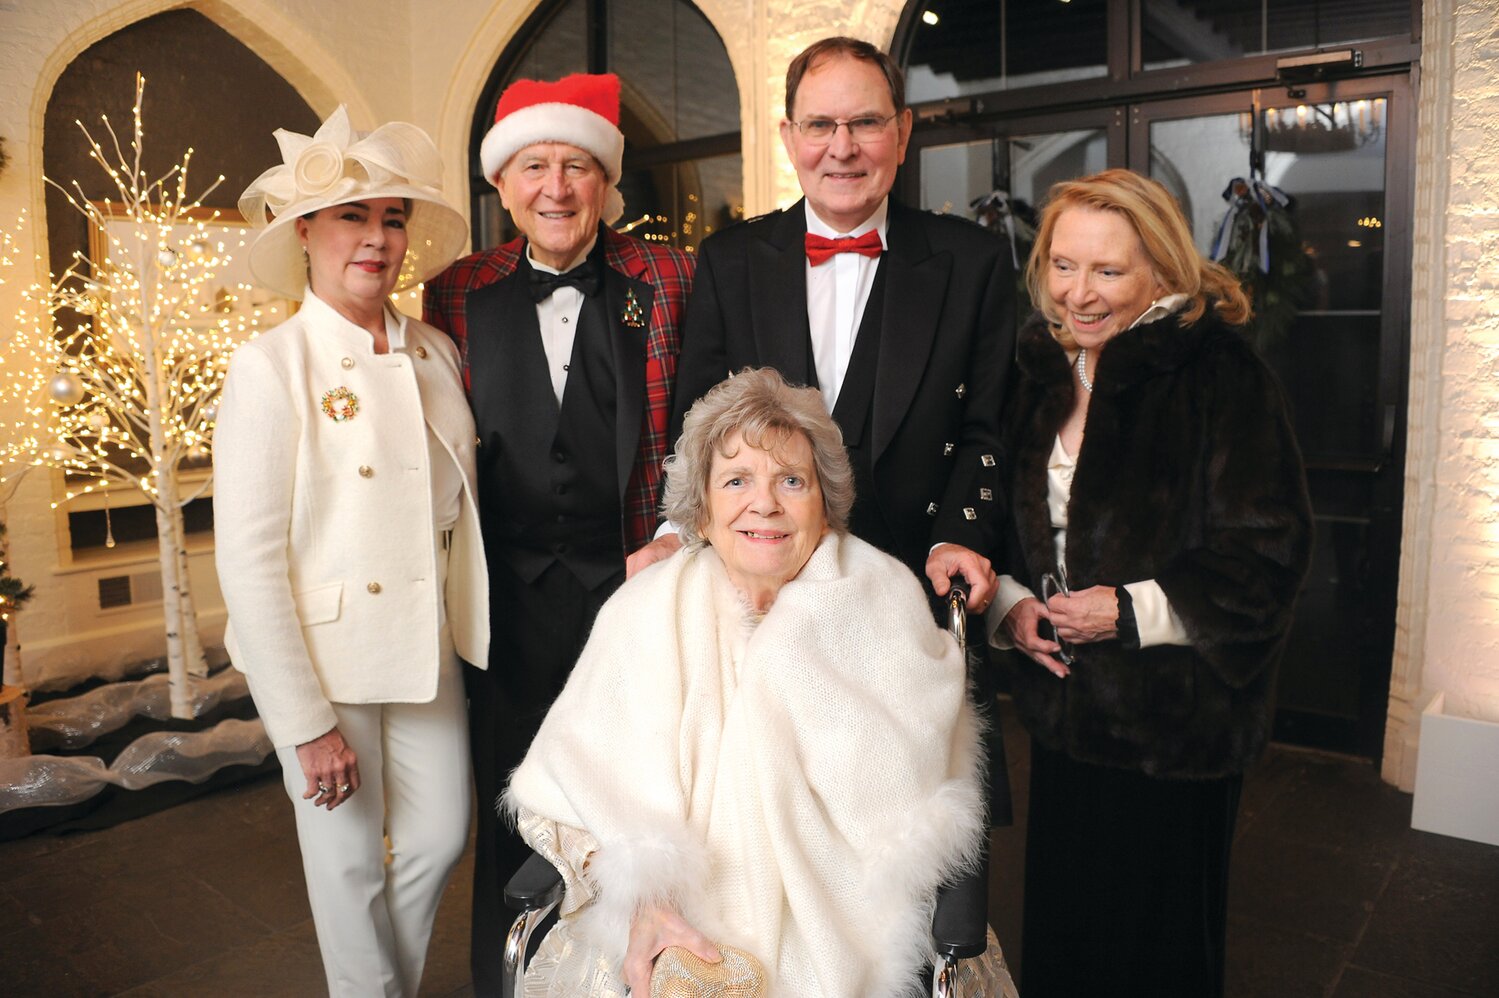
(1318, 128)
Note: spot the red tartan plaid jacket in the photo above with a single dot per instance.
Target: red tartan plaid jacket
(669, 273)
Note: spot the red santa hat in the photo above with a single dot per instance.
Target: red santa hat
(581, 110)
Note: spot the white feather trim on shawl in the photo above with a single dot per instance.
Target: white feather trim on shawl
(799, 791)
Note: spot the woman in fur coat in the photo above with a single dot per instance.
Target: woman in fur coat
(1159, 507)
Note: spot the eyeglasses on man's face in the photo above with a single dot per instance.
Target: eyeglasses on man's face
(865, 128)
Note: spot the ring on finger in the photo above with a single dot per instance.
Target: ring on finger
(343, 788)
(323, 788)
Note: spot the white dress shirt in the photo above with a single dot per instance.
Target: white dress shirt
(557, 317)
(837, 291)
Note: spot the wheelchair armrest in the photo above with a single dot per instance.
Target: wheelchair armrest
(536, 884)
(960, 922)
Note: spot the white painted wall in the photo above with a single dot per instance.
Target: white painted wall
(1447, 624)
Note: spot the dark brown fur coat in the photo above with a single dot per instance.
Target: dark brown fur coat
(1188, 474)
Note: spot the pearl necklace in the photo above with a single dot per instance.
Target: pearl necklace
(1082, 369)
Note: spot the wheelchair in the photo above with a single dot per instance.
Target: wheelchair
(960, 921)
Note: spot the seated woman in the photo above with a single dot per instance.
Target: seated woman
(766, 742)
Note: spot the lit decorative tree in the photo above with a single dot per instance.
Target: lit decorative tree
(113, 369)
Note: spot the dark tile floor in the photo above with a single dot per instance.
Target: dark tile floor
(1333, 896)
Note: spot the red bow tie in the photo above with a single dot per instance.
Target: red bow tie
(821, 249)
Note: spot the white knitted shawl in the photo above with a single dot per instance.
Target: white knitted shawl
(798, 789)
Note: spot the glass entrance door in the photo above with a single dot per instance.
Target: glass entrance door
(1334, 307)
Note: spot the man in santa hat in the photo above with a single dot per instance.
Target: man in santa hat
(569, 337)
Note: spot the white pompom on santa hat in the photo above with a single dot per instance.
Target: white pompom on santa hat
(580, 110)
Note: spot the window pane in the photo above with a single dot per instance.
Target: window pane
(1195, 158)
(1038, 161)
(1331, 157)
(558, 49)
(1299, 24)
(681, 203)
(91, 528)
(1318, 307)
(954, 176)
(974, 46)
(1180, 32)
(959, 178)
(678, 83)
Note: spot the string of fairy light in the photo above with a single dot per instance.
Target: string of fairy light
(113, 369)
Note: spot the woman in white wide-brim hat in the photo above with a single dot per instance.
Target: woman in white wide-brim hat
(347, 540)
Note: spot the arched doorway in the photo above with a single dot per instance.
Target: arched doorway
(205, 90)
(683, 175)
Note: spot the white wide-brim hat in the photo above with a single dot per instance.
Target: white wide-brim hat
(338, 165)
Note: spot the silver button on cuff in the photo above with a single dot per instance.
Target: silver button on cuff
(986, 494)
(987, 460)
(969, 513)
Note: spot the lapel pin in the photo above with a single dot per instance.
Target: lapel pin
(340, 404)
(634, 315)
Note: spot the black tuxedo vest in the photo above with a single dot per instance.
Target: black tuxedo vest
(549, 481)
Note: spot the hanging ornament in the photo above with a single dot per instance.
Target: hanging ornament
(166, 256)
(211, 412)
(996, 212)
(109, 528)
(1260, 241)
(65, 388)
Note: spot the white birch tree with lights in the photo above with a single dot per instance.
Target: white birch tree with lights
(111, 371)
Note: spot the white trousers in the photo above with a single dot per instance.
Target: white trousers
(374, 917)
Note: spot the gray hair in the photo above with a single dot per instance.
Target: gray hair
(759, 405)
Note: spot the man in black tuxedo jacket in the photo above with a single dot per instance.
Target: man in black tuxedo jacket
(903, 318)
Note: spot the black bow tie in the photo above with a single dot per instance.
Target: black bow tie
(584, 277)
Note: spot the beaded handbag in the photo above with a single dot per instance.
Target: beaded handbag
(681, 974)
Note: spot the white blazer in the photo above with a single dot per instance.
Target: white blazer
(324, 533)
